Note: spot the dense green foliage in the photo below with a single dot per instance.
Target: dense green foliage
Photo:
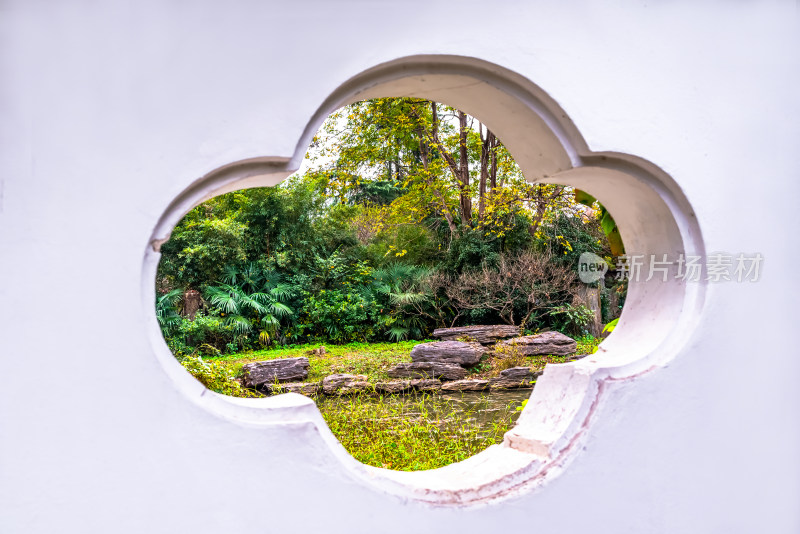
(411, 216)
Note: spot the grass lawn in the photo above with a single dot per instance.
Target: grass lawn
(408, 433)
(370, 359)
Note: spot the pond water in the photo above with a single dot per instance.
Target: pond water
(479, 410)
(421, 430)
(482, 407)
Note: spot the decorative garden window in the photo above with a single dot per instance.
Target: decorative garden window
(651, 212)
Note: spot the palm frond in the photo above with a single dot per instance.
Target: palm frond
(240, 324)
(230, 274)
(398, 333)
(280, 309)
(407, 298)
(224, 297)
(282, 292)
(263, 337)
(169, 299)
(271, 279)
(258, 302)
(383, 288)
(270, 322)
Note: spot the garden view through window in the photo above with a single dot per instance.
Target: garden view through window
(408, 278)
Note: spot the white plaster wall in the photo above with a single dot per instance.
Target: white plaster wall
(110, 110)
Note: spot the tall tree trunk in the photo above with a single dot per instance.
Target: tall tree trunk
(542, 202)
(423, 151)
(486, 153)
(493, 173)
(460, 171)
(191, 303)
(463, 171)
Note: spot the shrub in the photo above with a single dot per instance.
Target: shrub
(215, 376)
(406, 243)
(571, 319)
(401, 290)
(338, 316)
(205, 329)
(471, 250)
(199, 248)
(521, 289)
(567, 237)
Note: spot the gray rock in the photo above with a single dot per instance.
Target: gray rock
(394, 387)
(474, 384)
(518, 373)
(308, 389)
(425, 384)
(515, 377)
(445, 371)
(345, 384)
(263, 374)
(483, 334)
(544, 343)
(457, 352)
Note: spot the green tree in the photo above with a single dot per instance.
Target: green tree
(430, 164)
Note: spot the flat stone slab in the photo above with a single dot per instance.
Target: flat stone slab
(308, 389)
(445, 371)
(394, 387)
(483, 334)
(474, 384)
(426, 384)
(457, 352)
(343, 384)
(544, 343)
(514, 378)
(262, 374)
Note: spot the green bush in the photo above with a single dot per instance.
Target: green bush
(338, 316)
(568, 237)
(408, 243)
(471, 250)
(215, 376)
(403, 295)
(210, 330)
(571, 319)
(198, 249)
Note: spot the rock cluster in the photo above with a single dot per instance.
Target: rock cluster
(435, 366)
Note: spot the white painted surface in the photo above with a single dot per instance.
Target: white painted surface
(110, 112)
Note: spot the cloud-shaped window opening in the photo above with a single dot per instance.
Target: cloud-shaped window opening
(651, 212)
